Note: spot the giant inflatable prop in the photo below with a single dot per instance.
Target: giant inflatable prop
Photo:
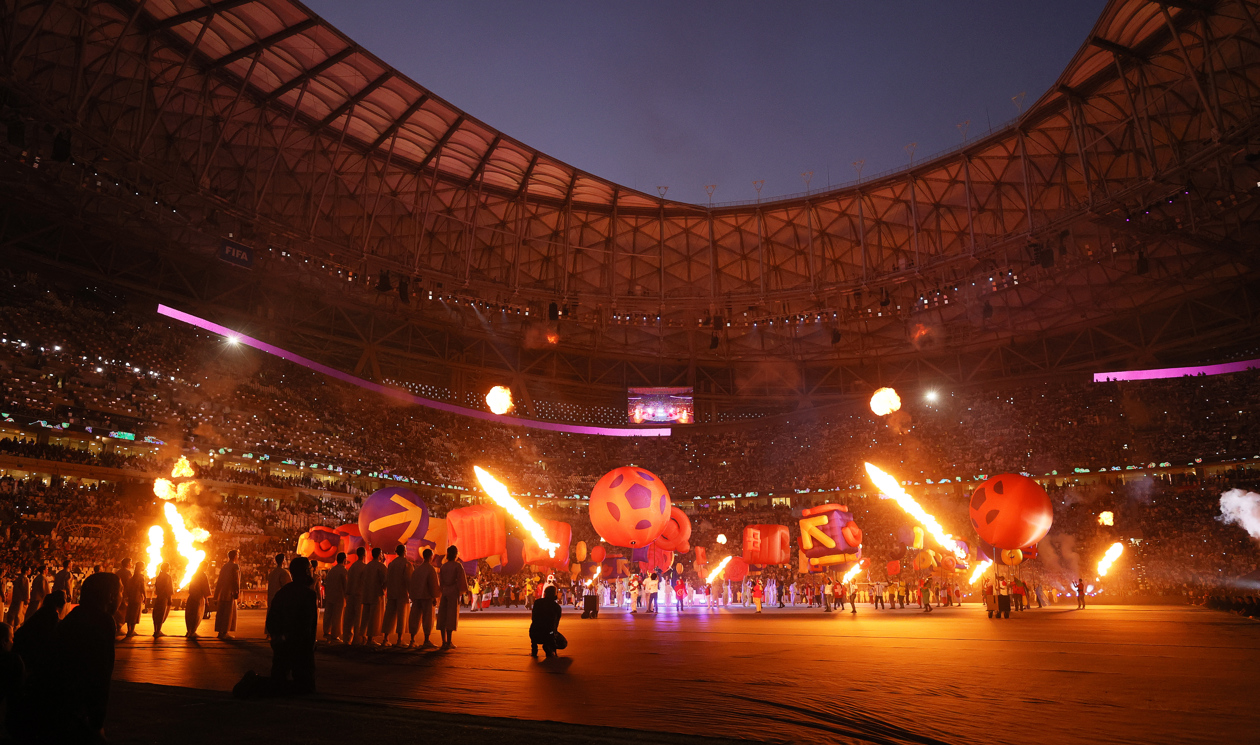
(676, 535)
(478, 530)
(767, 544)
(829, 536)
(391, 516)
(1010, 511)
(629, 507)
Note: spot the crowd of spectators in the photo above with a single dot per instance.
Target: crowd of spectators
(87, 360)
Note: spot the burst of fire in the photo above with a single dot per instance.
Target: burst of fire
(981, 568)
(1106, 518)
(553, 337)
(595, 576)
(156, 541)
(885, 401)
(717, 571)
(889, 487)
(499, 493)
(499, 399)
(721, 538)
(853, 572)
(185, 538)
(1109, 558)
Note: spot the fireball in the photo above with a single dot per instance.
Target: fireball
(717, 571)
(185, 538)
(1109, 558)
(499, 493)
(885, 401)
(1106, 518)
(499, 399)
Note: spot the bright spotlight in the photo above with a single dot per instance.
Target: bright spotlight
(931, 397)
(234, 340)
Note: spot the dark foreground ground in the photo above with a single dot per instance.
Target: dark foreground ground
(1107, 674)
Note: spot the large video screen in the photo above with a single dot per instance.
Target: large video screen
(661, 405)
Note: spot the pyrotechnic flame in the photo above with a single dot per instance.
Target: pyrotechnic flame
(156, 541)
(717, 571)
(885, 401)
(853, 572)
(1109, 558)
(183, 469)
(499, 399)
(594, 576)
(889, 487)
(981, 568)
(185, 538)
(1106, 518)
(499, 493)
(721, 538)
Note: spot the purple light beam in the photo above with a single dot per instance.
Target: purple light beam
(1177, 372)
(395, 393)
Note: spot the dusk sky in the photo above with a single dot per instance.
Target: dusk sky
(685, 94)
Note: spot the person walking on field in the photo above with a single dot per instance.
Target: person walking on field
(195, 606)
(424, 589)
(136, 591)
(651, 587)
(397, 577)
(124, 576)
(927, 595)
(335, 599)
(226, 591)
(1080, 593)
(758, 594)
(453, 582)
(163, 591)
(634, 593)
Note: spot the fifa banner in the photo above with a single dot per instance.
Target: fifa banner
(236, 253)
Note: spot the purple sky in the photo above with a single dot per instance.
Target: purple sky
(692, 93)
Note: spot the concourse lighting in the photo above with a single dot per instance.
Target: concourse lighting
(930, 396)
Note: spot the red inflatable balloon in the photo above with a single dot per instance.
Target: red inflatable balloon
(893, 568)
(676, 536)
(629, 507)
(1010, 511)
(598, 554)
(736, 569)
(479, 531)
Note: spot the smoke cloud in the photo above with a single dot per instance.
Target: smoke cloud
(1058, 554)
(1241, 508)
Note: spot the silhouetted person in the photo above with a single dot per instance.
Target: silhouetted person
(64, 580)
(373, 599)
(397, 575)
(226, 590)
(335, 598)
(454, 583)
(424, 590)
(18, 600)
(356, 574)
(292, 618)
(124, 576)
(136, 590)
(163, 591)
(545, 622)
(278, 578)
(12, 671)
(65, 702)
(39, 590)
(33, 642)
(195, 607)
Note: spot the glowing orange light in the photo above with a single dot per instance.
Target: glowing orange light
(553, 337)
(1106, 518)
(885, 401)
